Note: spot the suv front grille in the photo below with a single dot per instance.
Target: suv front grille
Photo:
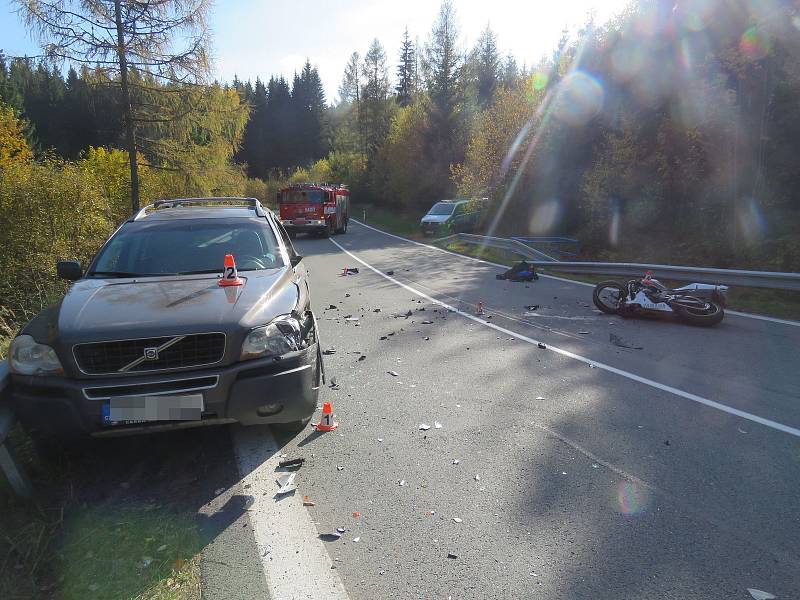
(128, 356)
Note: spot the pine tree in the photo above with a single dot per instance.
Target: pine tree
(308, 109)
(510, 72)
(487, 65)
(254, 143)
(406, 72)
(374, 96)
(349, 90)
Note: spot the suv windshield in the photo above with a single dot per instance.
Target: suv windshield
(442, 208)
(181, 247)
(297, 196)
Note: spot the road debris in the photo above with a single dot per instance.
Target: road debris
(479, 309)
(383, 337)
(402, 483)
(292, 463)
(540, 397)
(349, 271)
(456, 461)
(424, 427)
(595, 466)
(329, 351)
(339, 468)
(477, 477)
(760, 595)
(390, 273)
(340, 529)
(356, 539)
(426, 338)
(457, 520)
(618, 341)
(332, 307)
(541, 345)
(532, 307)
(362, 357)
(330, 537)
(437, 425)
(286, 483)
(427, 322)
(356, 514)
(376, 310)
(451, 555)
(307, 501)
(393, 373)
(583, 332)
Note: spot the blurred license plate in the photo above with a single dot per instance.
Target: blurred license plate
(141, 409)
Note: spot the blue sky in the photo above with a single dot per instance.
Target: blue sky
(259, 38)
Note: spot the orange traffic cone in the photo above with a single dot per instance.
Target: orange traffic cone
(326, 422)
(229, 274)
(479, 308)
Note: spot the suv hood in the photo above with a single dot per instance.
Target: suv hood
(435, 218)
(103, 309)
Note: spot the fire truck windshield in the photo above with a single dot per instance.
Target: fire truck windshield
(297, 196)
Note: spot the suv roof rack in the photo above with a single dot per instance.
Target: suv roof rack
(249, 202)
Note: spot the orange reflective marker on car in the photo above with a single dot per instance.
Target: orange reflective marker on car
(326, 422)
(229, 274)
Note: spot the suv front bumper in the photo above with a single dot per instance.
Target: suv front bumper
(252, 392)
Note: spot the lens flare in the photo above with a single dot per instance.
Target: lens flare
(754, 44)
(752, 223)
(626, 62)
(539, 80)
(579, 98)
(631, 498)
(546, 217)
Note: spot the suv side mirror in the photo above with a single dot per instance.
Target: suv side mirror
(295, 260)
(69, 270)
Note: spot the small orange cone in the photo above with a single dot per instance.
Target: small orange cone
(229, 274)
(479, 308)
(326, 422)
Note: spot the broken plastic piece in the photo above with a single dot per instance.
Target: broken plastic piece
(340, 468)
(292, 463)
(393, 373)
(427, 322)
(424, 427)
(390, 272)
(426, 338)
(532, 307)
(356, 514)
(329, 351)
(451, 555)
(307, 501)
(356, 539)
(362, 357)
(540, 397)
(340, 529)
(477, 477)
(286, 481)
(457, 520)
(583, 332)
(541, 345)
(760, 595)
(456, 461)
(437, 425)
(402, 483)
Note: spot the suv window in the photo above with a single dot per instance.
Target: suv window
(172, 247)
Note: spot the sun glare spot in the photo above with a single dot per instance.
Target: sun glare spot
(546, 216)
(579, 98)
(754, 44)
(631, 498)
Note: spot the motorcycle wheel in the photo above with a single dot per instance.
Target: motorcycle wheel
(708, 316)
(607, 296)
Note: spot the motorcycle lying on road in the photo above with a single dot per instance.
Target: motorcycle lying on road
(696, 303)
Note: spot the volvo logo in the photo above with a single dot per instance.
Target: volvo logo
(151, 353)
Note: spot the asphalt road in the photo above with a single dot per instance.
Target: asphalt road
(585, 470)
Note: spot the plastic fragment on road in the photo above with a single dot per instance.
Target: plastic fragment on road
(383, 337)
(332, 307)
(456, 461)
(286, 483)
(477, 477)
(356, 539)
(330, 537)
(292, 463)
(595, 466)
(390, 273)
(583, 332)
(362, 357)
(760, 594)
(437, 425)
(532, 307)
(426, 338)
(356, 514)
(393, 373)
(479, 308)
(457, 520)
(402, 483)
(427, 322)
(540, 397)
(424, 427)
(451, 555)
(380, 439)
(340, 529)
(326, 422)
(339, 468)
(541, 345)
(349, 271)
(376, 310)
(307, 501)
(329, 351)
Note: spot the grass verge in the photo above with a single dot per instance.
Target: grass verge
(61, 545)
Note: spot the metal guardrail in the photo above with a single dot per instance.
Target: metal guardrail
(734, 277)
(8, 462)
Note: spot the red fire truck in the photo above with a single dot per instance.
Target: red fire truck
(320, 208)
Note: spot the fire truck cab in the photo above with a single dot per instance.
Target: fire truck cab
(318, 208)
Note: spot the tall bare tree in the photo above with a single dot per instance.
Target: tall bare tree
(134, 42)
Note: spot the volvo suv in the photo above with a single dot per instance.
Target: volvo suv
(154, 335)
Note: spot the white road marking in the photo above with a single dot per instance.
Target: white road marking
(583, 283)
(632, 376)
(295, 562)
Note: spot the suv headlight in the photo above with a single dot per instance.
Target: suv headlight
(281, 336)
(28, 357)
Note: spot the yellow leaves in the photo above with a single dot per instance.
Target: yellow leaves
(14, 148)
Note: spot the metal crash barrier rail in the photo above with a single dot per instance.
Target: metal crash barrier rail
(733, 277)
(8, 462)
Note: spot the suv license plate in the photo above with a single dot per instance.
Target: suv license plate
(142, 409)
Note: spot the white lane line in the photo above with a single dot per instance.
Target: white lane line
(627, 374)
(295, 562)
(583, 283)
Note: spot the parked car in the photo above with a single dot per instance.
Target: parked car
(148, 337)
(453, 216)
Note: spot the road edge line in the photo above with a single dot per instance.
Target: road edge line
(566, 353)
(583, 283)
(282, 527)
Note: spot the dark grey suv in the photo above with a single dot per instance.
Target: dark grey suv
(148, 339)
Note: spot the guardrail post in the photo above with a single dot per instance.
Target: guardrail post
(8, 462)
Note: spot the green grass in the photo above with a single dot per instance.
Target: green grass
(55, 545)
(774, 303)
(388, 220)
